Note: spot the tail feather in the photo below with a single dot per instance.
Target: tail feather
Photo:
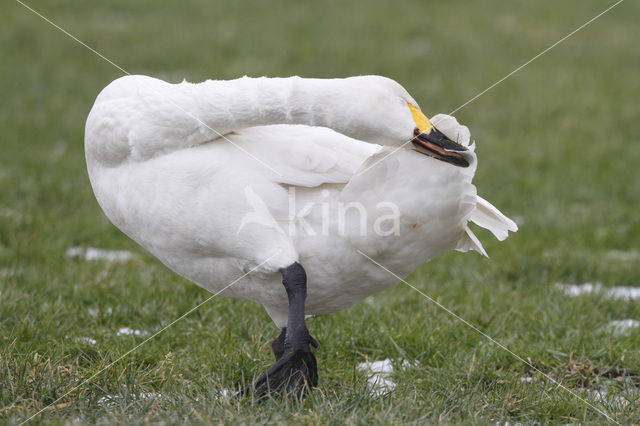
(470, 242)
(489, 217)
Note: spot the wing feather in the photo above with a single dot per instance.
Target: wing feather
(305, 155)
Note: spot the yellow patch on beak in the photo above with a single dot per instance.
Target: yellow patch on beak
(421, 120)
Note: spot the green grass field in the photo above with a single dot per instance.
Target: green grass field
(558, 147)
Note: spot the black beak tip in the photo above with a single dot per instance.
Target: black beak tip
(436, 137)
(458, 161)
(442, 147)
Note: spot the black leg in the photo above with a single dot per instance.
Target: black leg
(295, 369)
(277, 346)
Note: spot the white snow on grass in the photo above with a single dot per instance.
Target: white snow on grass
(144, 396)
(126, 331)
(623, 326)
(222, 393)
(92, 253)
(625, 293)
(87, 340)
(82, 339)
(574, 290)
(380, 373)
(148, 396)
(94, 312)
(601, 395)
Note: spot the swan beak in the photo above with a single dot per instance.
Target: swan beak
(432, 142)
(435, 144)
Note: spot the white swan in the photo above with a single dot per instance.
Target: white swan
(267, 175)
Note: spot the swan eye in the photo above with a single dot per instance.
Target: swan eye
(422, 122)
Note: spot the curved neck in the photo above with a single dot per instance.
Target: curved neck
(246, 102)
(138, 117)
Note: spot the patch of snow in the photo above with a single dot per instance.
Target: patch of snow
(224, 392)
(574, 290)
(106, 399)
(126, 331)
(623, 255)
(625, 293)
(600, 395)
(88, 340)
(92, 253)
(94, 312)
(623, 326)
(144, 396)
(380, 372)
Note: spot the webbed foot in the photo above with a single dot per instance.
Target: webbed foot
(294, 373)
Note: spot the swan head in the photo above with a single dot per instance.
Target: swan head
(428, 140)
(393, 117)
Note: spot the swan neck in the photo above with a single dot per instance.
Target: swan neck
(137, 117)
(264, 101)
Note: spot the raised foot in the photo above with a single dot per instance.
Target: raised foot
(293, 374)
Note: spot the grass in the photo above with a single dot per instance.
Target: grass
(557, 145)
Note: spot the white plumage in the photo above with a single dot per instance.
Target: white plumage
(210, 210)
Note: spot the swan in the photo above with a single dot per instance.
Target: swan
(288, 183)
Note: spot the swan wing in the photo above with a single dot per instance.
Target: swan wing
(301, 155)
(236, 206)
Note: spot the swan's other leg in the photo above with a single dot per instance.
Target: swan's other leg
(296, 368)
